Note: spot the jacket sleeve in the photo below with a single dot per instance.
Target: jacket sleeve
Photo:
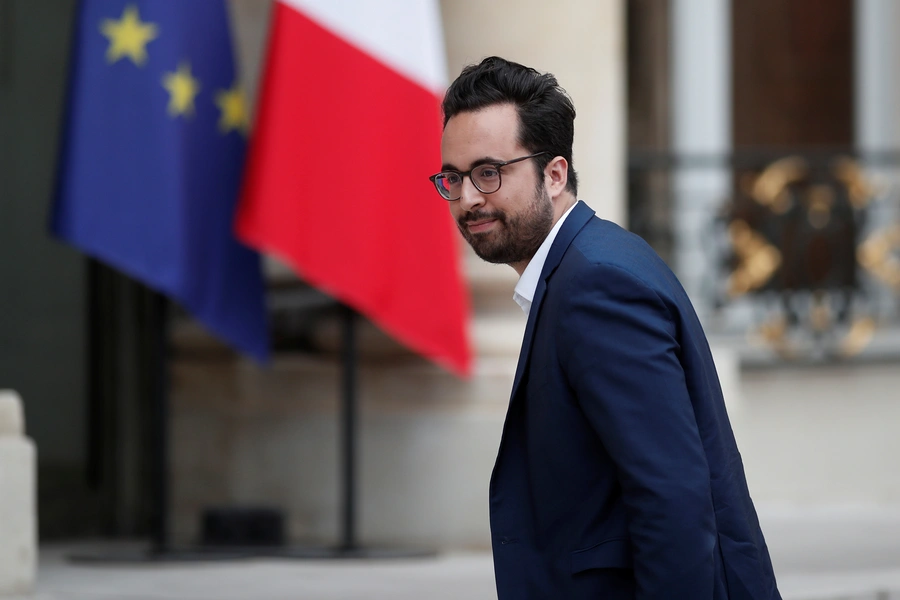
(621, 357)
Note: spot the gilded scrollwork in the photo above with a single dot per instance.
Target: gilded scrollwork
(757, 259)
(794, 233)
(880, 254)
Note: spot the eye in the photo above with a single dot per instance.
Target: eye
(451, 178)
(488, 172)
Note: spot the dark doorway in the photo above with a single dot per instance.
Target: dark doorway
(73, 335)
(793, 73)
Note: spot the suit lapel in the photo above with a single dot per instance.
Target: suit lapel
(577, 219)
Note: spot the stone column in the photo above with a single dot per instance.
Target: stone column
(18, 519)
(877, 126)
(701, 125)
(877, 97)
(877, 63)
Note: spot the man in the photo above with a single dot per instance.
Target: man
(617, 475)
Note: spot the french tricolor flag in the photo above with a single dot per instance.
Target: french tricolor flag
(347, 132)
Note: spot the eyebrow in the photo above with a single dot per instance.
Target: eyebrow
(487, 160)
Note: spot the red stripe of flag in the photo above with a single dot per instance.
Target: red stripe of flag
(336, 185)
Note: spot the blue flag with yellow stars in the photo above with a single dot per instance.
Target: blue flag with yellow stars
(152, 156)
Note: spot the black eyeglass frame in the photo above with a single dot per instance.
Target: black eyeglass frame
(464, 174)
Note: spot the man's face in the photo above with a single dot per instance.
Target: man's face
(509, 225)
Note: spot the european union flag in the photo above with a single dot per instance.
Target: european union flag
(152, 158)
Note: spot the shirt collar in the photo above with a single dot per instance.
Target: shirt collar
(527, 285)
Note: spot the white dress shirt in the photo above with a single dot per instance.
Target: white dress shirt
(527, 285)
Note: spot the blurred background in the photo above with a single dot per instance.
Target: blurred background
(755, 144)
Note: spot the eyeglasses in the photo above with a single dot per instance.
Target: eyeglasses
(485, 178)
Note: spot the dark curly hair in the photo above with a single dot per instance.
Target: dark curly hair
(546, 112)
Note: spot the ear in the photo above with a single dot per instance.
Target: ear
(556, 175)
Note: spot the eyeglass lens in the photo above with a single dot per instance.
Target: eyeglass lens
(486, 178)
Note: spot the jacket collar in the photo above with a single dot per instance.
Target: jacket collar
(576, 220)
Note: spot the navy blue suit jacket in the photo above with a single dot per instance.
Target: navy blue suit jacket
(618, 476)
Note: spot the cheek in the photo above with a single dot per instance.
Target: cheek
(504, 201)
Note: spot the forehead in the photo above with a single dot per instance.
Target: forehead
(489, 132)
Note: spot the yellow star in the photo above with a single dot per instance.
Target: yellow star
(128, 36)
(233, 105)
(182, 89)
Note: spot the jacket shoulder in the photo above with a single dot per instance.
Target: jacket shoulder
(604, 243)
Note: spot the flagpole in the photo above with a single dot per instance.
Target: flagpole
(348, 546)
(160, 428)
(348, 433)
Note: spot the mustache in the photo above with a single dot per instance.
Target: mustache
(480, 216)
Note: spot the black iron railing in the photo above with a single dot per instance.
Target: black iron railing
(798, 247)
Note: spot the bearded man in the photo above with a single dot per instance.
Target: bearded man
(618, 476)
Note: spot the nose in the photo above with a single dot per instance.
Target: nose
(470, 197)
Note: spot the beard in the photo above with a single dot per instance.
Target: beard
(517, 237)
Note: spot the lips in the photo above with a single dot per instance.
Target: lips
(481, 225)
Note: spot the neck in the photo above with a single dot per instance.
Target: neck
(564, 202)
(519, 267)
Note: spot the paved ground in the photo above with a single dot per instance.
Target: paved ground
(841, 554)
